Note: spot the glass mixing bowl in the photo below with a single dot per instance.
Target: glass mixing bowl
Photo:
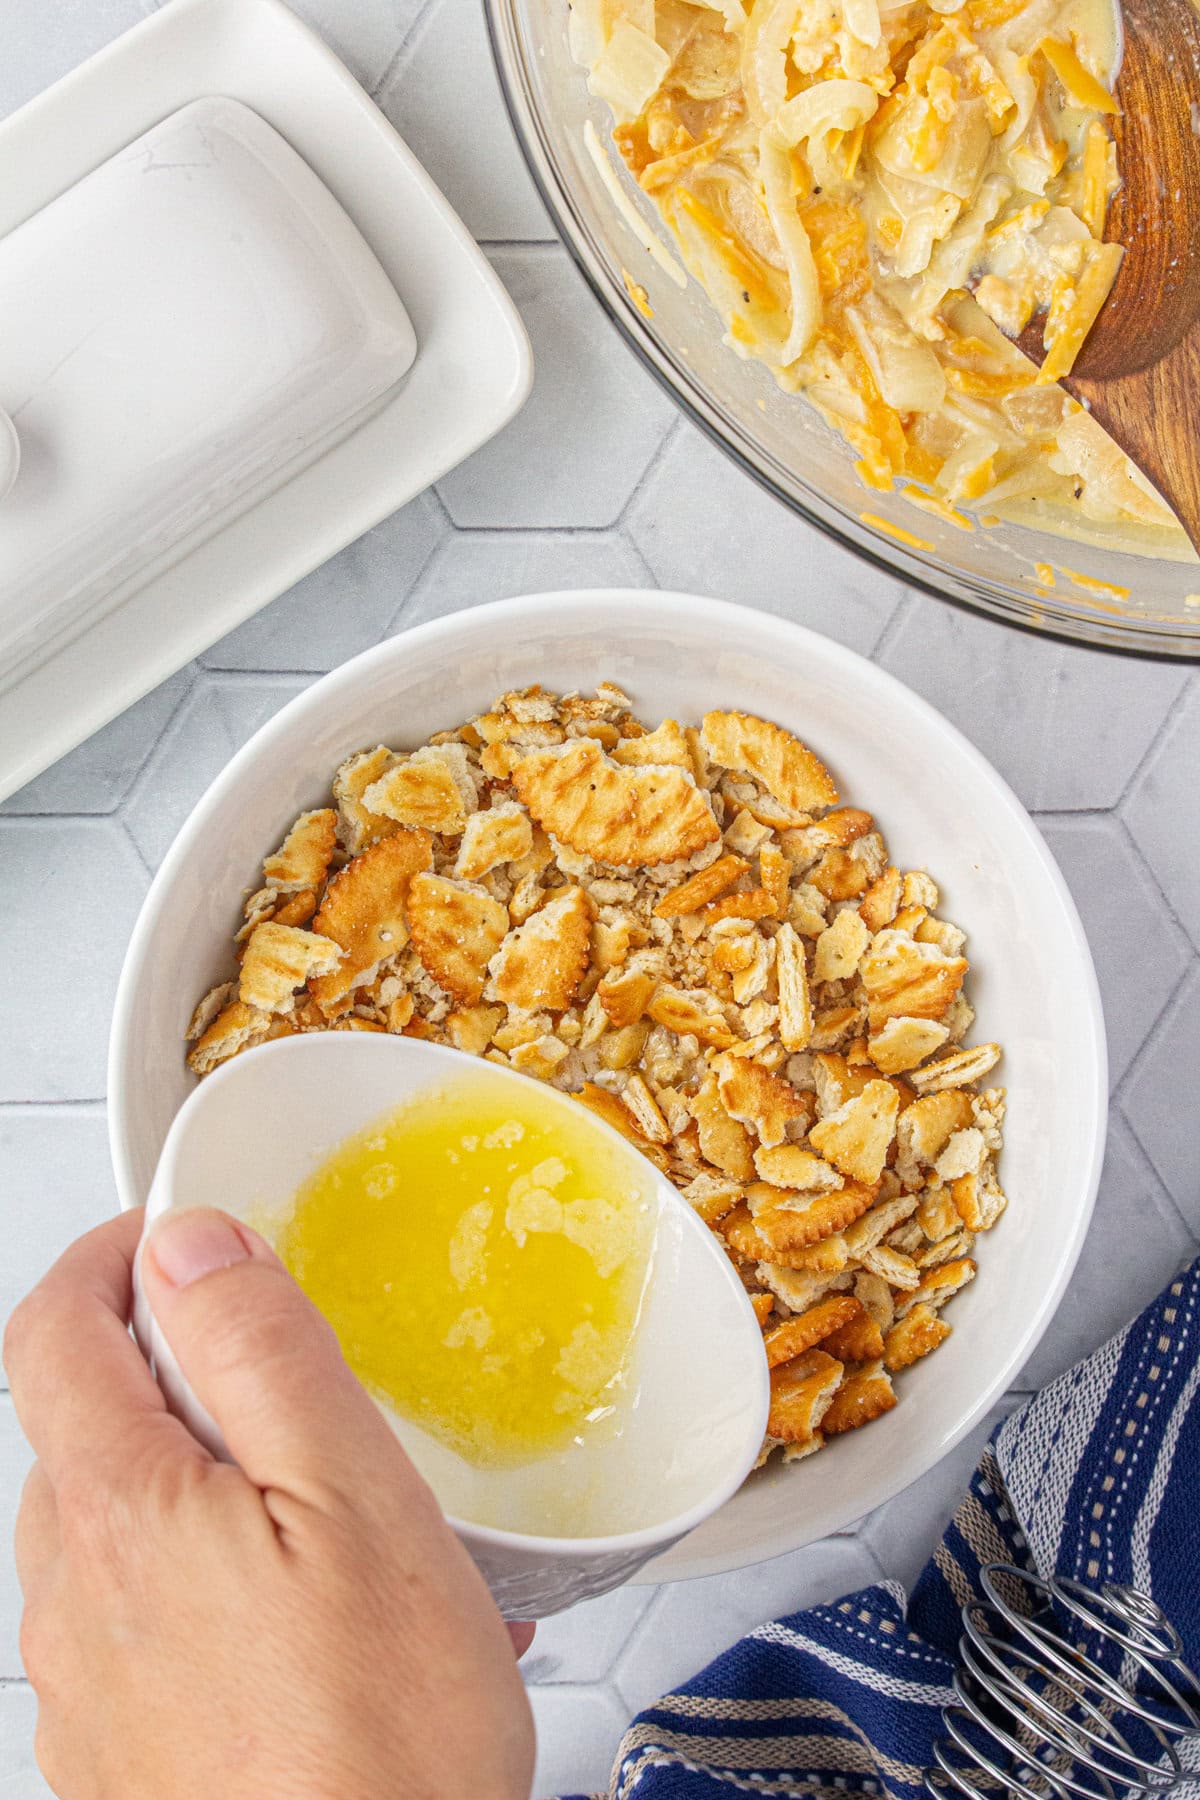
(776, 437)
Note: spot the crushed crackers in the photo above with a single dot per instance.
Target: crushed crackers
(683, 927)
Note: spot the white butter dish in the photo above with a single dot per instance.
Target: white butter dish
(472, 372)
(180, 332)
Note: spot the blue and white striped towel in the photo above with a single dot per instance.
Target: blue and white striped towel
(1097, 1477)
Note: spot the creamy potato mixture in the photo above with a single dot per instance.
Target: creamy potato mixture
(877, 196)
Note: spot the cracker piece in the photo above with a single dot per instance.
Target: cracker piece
(939, 1215)
(746, 835)
(905, 979)
(978, 1199)
(616, 814)
(742, 1233)
(926, 1127)
(713, 1196)
(834, 1026)
(763, 1305)
(804, 1331)
(939, 1285)
(296, 909)
(840, 947)
(456, 930)
(903, 1043)
(957, 1070)
(898, 1270)
(920, 890)
(795, 1002)
(541, 963)
(874, 1226)
(434, 788)
(364, 911)
(876, 1296)
(502, 834)
(754, 903)
(859, 1340)
(695, 1013)
(857, 1137)
(236, 1027)
(724, 1142)
(399, 1016)
(865, 1394)
(881, 902)
(756, 1097)
(624, 995)
(640, 1102)
(359, 825)
(802, 1391)
(844, 874)
(786, 768)
(789, 1166)
(775, 877)
(800, 1288)
(947, 1249)
(214, 1002)
(769, 1446)
(663, 747)
(302, 860)
(914, 1337)
(608, 1107)
(964, 1154)
(278, 960)
(541, 1057)
(700, 888)
(793, 1222)
(804, 1447)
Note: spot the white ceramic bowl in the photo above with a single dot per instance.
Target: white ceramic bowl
(247, 1138)
(941, 807)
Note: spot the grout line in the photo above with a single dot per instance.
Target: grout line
(1173, 1002)
(407, 37)
(85, 1108)
(1163, 1192)
(1145, 863)
(1071, 812)
(673, 431)
(894, 623)
(1178, 700)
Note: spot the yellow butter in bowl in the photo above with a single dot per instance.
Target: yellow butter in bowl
(482, 1257)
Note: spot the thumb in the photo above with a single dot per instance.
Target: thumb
(258, 1355)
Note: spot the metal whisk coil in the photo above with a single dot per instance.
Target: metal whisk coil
(1035, 1715)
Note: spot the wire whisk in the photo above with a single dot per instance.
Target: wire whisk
(1038, 1716)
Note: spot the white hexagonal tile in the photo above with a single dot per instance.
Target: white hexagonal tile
(1066, 726)
(578, 1732)
(1135, 1244)
(1162, 810)
(16, 1460)
(344, 606)
(576, 452)
(95, 777)
(1140, 953)
(691, 1622)
(443, 97)
(41, 43)
(582, 1644)
(57, 1183)
(217, 717)
(1159, 1100)
(71, 891)
(476, 566)
(905, 1533)
(704, 526)
(20, 1778)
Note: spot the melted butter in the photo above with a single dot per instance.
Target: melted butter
(482, 1259)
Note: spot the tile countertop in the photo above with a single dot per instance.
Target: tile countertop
(1103, 751)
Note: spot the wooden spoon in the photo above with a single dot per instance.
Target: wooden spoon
(1139, 371)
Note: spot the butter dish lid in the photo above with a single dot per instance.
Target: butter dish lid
(184, 330)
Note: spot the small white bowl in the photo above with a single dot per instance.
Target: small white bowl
(941, 807)
(693, 1425)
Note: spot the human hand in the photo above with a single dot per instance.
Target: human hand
(304, 1626)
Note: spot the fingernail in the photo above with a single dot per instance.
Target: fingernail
(186, 1246)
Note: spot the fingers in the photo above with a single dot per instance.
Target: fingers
(521, 1632)
(259, 1357)
(82, 1391)
(35, 1538)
